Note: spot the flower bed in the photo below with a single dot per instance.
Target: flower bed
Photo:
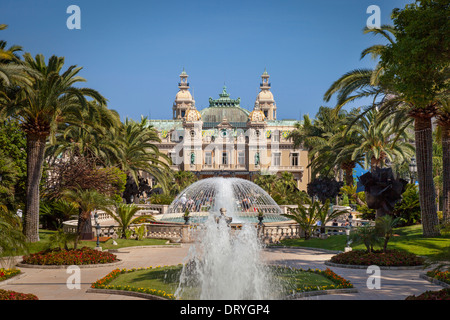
(12, 295)
(83, 256)
(443, 294)
(443, 276)
(338, 281)
(103, 283)
(8, 273)
(392, 258)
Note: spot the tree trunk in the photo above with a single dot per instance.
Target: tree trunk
(427, 194)
(35, 161)
(446, 171)
(348, 170)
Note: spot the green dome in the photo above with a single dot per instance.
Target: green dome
(224, 108)
(217, 114)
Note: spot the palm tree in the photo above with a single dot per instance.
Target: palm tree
(325, 215)
(124, 215)
(305, 216)
(385, 227)
(93, 139)
(443, 120)
(363, 83)
(138, 152)
(12, 241)
(182, 179)
(315, 136)
(52, 99)
(382, 140)
(87, 201)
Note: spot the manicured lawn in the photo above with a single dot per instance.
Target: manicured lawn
(164, 281)
(44, 236)
(408, 239)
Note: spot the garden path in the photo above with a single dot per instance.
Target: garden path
(50, 284)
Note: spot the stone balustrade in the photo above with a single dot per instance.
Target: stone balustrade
(270, 234)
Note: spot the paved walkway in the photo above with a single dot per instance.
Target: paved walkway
(50, 284)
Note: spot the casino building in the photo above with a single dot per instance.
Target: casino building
(226, 139)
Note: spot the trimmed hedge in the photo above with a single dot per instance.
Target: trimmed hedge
(83, 256)
(392, 258)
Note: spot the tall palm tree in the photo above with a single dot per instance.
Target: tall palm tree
(94, 138)
(315, 137)
(443, 120)
(52, 99)
(138, 151)
(365, 82)
(382, 140)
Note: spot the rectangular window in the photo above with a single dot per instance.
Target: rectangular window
(241, 158)
(294, 159)
(208, 158)
(224, 158)
(276, 159)
(276, 136)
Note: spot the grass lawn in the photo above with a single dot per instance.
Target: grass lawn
(44, 236)
(166, 279)
(408, 239)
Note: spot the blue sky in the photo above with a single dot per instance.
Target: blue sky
(133, 51)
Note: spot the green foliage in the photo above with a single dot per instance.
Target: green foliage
(408, 209)
(139, 232)
(54, 212)
(13, 147)
(385, 228)
(124, 215)
(161, 199)
(117, 179)
(417, 63)
(12, 240)
(366, 235)
(180, 181)
(61, 239)
(282, 188)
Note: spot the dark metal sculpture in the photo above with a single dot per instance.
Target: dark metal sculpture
(132, 190)
(382, 190)
(324, 188)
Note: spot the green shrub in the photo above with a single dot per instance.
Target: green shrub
(408, 209)
(161, 199)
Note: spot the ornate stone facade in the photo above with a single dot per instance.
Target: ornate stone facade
(225, 139)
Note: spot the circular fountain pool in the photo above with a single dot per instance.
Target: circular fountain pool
(242, 199)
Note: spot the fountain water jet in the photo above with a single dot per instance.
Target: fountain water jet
(226, 264)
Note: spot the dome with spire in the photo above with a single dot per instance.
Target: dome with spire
(183, 95)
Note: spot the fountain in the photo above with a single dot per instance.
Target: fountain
(242, 199)
(225, 264)
(225, 260)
